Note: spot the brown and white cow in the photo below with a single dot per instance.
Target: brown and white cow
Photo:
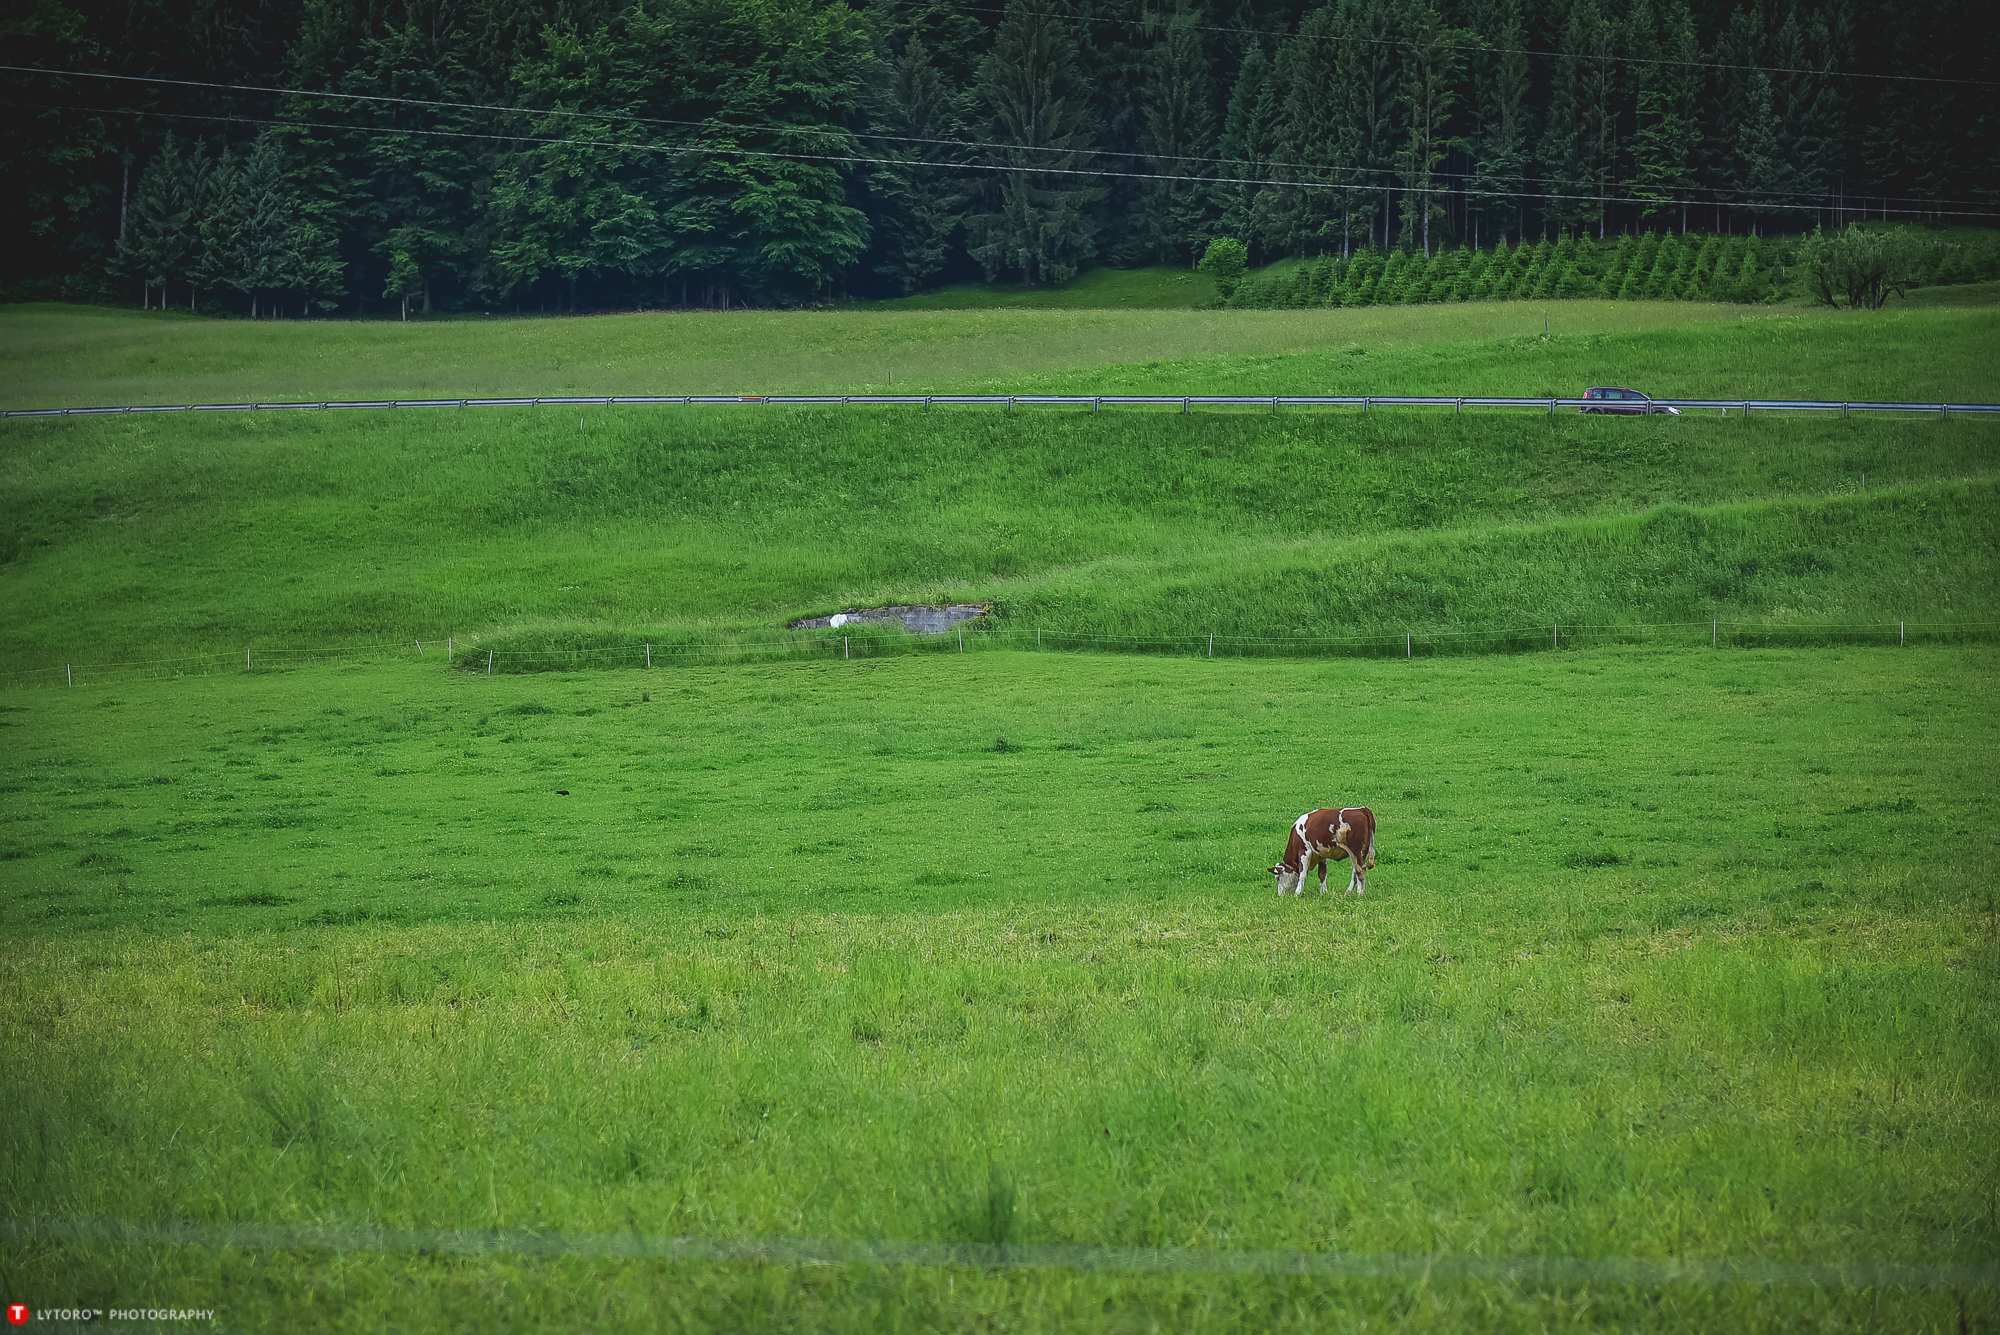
(1323, 837)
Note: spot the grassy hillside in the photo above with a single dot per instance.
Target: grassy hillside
(979, 948)
(142, 539)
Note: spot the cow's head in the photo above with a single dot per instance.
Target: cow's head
(1288, 877)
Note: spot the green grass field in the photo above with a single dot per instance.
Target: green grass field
(1674, 954)
(527, 529)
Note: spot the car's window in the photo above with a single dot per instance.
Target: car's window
(1593, 393)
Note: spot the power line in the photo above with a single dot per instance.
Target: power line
(1928, 208)
(1387, 177)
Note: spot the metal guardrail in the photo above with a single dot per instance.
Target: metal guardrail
(1095, 402)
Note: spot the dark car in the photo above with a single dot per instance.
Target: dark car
(1623, 401)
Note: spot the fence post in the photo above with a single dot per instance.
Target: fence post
(1097, 405)
(843, 648)
(961, 639)
(1713, 627)
(1901, 626)
(246, 658)
(1406, 644)
(1555, 637)
(489, 662)
(1184, 407)
(1459, 411)
(447, 649)
(649, 654)
(1211, 644)
(69, 673)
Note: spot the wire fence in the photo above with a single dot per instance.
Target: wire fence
(714, 649)
(1185, 403)
(1615, 1270)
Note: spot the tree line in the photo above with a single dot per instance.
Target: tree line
(289, 156)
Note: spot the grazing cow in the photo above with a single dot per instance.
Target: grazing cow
(1323, 837)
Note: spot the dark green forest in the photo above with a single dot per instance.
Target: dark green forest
(288, 157)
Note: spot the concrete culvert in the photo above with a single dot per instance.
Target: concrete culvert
(917, 618)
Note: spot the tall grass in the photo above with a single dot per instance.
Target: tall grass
(292, 533)
(349, 958)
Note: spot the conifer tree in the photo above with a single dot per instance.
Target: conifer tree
(1296, 216)
(1038, 222)
(1621, 260)
(920, 202)
(1431, 66)
(1249, 137)
(1178, 138)
(1578, 147)
(1668, 102)
(1660, 274)
(162, 231)
(1500, 147)
(1472, 277)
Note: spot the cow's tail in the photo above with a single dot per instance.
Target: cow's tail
(1370, 864)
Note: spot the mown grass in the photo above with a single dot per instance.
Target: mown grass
(1678, 954)
(59, 356)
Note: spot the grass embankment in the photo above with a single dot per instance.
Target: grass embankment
(1668, 955)
(142, 539)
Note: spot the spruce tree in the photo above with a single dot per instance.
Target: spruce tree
(1178, 138)
(1391, 287)
(1297, 214)
(1431, 66)
(1578, 149)
(1668, 97)
(1500, 146)
(1038, 219)
(1471, 279)
(1249, 137)
(162, 230)
(1660, 274)
(1621, 260)
(1639, 272)
(1368, 43)
(919, 203)
(1112, 54)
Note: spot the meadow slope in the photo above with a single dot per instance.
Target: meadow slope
(136, 540)
(1673, 953)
